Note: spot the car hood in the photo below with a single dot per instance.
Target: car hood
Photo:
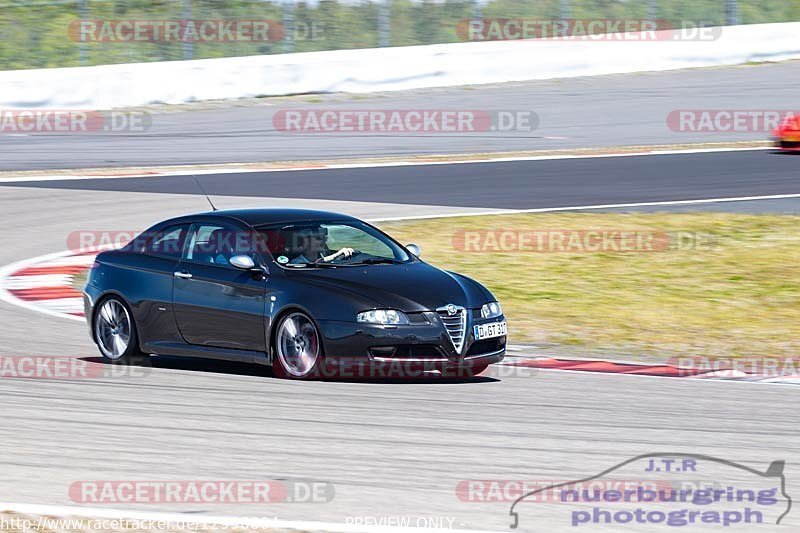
(408, 287)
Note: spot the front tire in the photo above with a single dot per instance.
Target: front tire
(297, 348)
(114, 332)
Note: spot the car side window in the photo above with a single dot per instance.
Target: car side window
(215, 244)
(167, 242)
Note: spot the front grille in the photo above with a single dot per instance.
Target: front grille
(456, 325)
(416, 352)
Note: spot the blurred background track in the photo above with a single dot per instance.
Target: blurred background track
(601, 111)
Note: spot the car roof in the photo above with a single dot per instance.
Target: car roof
(264, 216)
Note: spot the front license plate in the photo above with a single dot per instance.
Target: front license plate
(488, 331)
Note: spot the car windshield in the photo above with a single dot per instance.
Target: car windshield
(330, 244)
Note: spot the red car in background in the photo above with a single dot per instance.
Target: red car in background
(787, 135)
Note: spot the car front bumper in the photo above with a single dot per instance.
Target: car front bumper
(400, 351)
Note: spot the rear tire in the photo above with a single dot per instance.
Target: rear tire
(297, 350)
(114, 332)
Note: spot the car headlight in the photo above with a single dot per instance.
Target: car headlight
(491, 310)
(382, 316)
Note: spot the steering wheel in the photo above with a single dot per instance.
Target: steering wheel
(356, 255)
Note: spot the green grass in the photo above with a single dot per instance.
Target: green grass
(735, 294)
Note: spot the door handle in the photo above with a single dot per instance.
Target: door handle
(183, 275)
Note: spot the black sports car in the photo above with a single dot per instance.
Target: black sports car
(309, 292)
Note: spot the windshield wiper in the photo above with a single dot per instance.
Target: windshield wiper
(312, 265)
(378, 261)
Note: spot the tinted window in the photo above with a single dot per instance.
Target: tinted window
(167, 243)
(215, 244)
(210, 244)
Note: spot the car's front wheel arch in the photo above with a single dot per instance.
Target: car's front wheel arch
(273, 335)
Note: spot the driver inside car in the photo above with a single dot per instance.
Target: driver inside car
(314, 247)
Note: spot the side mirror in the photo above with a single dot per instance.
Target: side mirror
(243, 262)
(414, 249)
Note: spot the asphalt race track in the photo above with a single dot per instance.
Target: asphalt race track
(610, 110)
(390, 449)
(502, 185)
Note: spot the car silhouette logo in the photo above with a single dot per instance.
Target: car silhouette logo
(775, 470)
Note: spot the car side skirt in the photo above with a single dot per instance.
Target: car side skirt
(207, 352)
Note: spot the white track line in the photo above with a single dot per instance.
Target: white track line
(218, 521)
(339, 166)
(591, 207)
